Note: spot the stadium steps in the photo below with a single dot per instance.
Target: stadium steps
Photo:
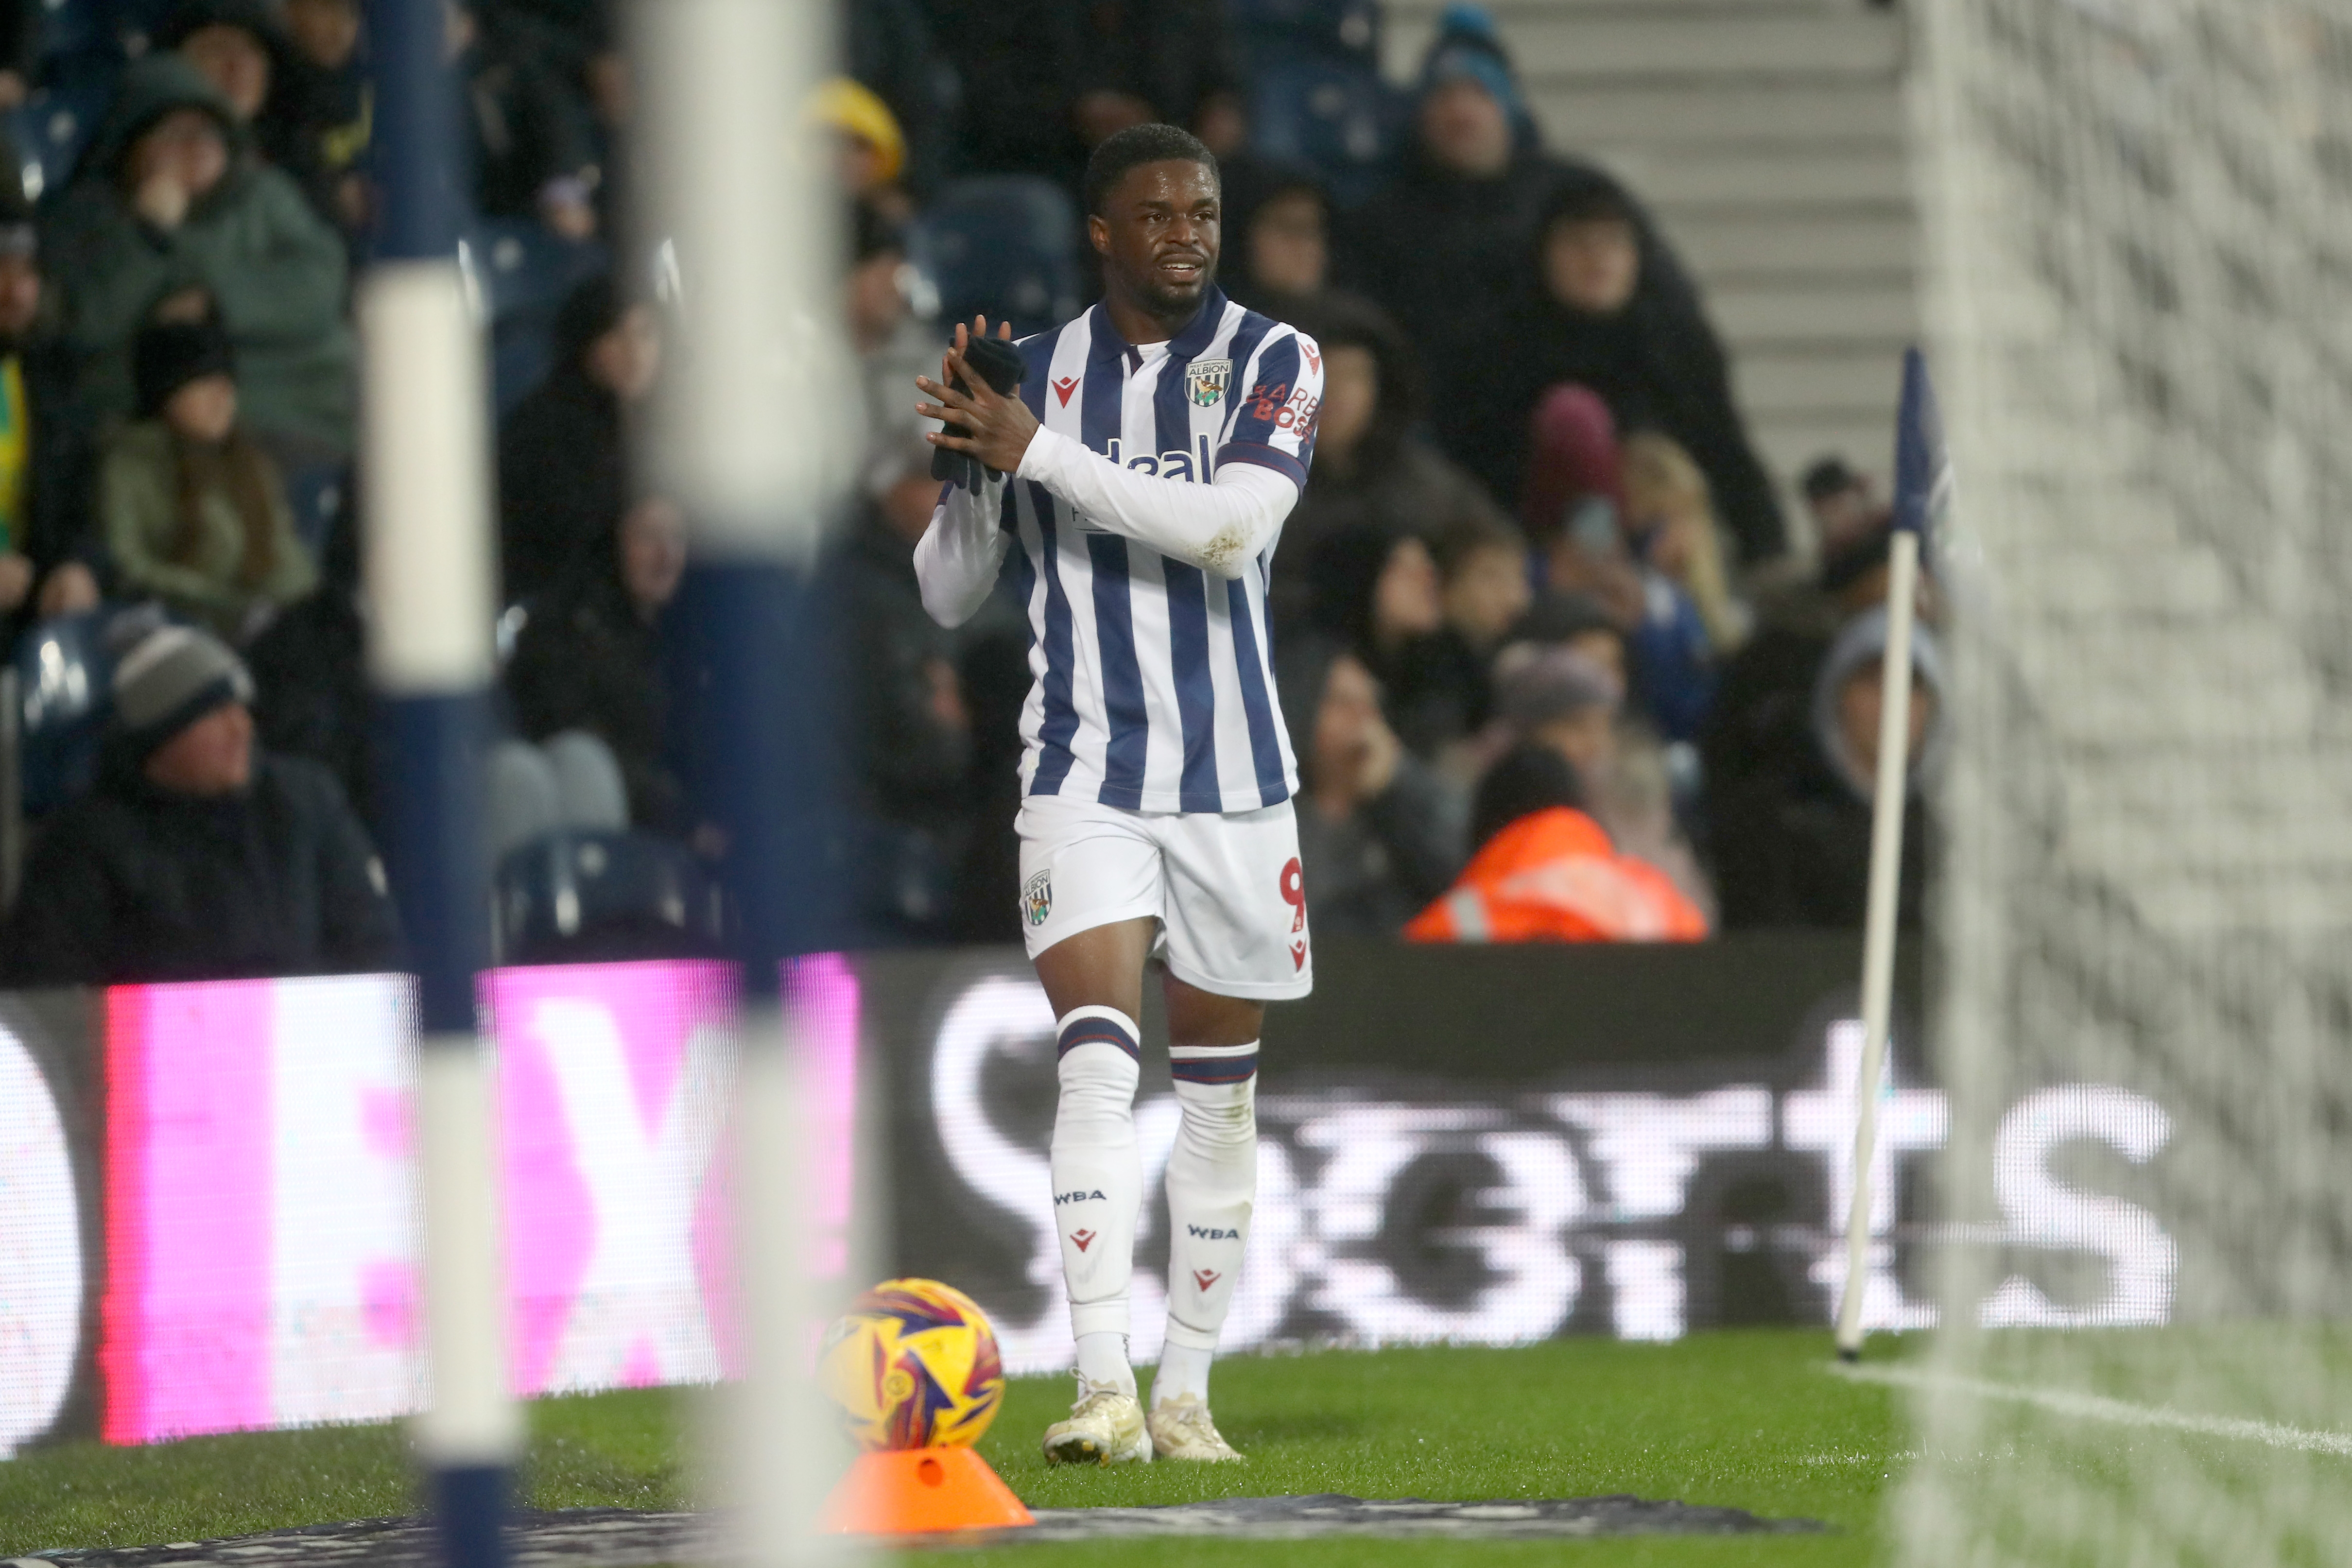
(1768, 136)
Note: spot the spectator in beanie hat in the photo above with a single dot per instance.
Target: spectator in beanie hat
(1559, 698)
(195, 511)
(197, 856)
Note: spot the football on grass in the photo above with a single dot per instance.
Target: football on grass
(913, 1364)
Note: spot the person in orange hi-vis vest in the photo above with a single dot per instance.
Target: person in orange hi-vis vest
(1549, 874)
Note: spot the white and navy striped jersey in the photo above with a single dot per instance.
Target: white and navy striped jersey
(1154, 687)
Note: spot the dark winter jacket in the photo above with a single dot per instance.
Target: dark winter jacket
(1448, 256)
(1174, 54)
(910, 767)
(1393, 481)
(1367, 872)
(525, 125)
(275, 270)
(131, 883)
(1419, 677)
(1657, 364)
(1792, 844)
(1372, 871)
(587, 660)
(1019, 64)
(888, 47)
(562, 481)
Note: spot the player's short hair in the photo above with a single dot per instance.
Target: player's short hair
(1135, 146)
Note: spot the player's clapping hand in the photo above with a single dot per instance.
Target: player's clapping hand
(994, 428)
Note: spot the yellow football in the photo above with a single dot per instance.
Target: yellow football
(913, 1364)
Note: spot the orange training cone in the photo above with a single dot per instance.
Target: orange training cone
(905, 1491)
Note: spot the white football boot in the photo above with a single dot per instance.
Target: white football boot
(1104, 1427)
(1180, 1430)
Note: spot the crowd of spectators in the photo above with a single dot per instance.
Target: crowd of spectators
(1547, 655)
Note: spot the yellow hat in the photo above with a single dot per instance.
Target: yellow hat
(852, 108)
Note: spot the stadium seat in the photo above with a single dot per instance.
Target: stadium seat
(131, 23)
(64, 671)
(583, 897)
(521, 270)
(1270, 31)
(1005, 245)
(77, 29)
(319, 496)
(50, 129)
(1336, 115)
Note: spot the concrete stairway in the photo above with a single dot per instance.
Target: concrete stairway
(1768, 137)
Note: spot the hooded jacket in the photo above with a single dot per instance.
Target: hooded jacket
(133, 884)
(289, 131)
(275, 270)
(1792, 844)
(1657, 364)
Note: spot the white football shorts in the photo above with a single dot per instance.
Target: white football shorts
(1225, 888)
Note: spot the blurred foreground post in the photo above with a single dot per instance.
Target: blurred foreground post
(427, 507)
(751, 428)
(1920, 477)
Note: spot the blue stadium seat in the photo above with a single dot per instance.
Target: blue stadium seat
(1270, 31)
(65, 671)
(1335, 115)
(132, 22)
(580, 897)
(76, 29)
(523, 269)
(319, 496)
(1005, 245)
(53, 125)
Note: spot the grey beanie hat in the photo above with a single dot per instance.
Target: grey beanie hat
(171, 678)
(1540, 685)
(1862, 644)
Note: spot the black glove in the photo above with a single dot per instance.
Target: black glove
(999, 364)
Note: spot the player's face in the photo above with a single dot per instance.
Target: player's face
(1159, 234)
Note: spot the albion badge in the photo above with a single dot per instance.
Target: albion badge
(1038, 898)
(1205, 381)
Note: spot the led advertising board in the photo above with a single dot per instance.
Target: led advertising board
(207, 1193)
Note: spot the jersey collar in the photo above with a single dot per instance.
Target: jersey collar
(1196, 335)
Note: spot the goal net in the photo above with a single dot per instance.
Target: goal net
(2138, 220)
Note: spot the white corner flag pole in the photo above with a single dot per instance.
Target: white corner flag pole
(1918, 465)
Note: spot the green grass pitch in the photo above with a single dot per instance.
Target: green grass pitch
(1748, 1419)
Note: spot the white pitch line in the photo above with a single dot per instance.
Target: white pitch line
(2119, 1412)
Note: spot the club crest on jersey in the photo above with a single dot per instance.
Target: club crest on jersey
(1038, 898)
(1205, 381)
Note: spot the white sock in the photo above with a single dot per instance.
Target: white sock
(1182, 1371)
(1102, 1359)
(1097, 1185)
(1212, 1189)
